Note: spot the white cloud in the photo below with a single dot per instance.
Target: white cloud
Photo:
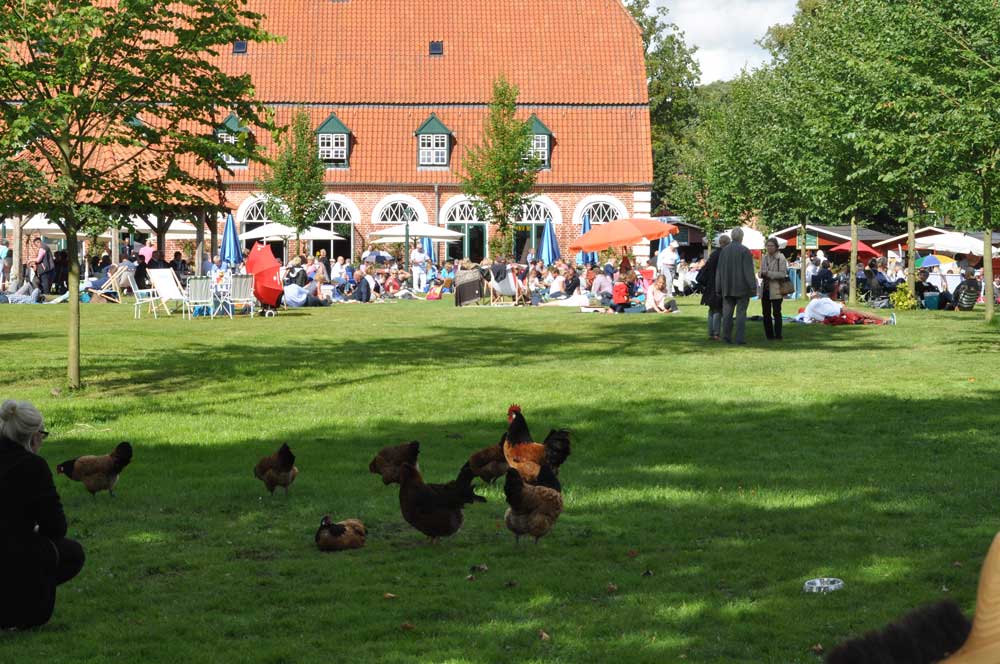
(725, 31)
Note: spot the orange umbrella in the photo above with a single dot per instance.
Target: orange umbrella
(622, 233)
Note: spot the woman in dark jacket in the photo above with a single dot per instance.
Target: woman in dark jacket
(711, 299)
(35, 555)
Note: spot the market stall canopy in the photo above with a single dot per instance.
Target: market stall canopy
(863, 249)
(950, 242)
(622, 233)
(417, 230)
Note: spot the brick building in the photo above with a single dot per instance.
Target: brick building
(398, 93)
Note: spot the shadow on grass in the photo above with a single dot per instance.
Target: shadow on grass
(728, 511)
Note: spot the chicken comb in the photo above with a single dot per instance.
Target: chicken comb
(514, 408)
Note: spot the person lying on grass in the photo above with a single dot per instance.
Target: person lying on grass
(822, 309)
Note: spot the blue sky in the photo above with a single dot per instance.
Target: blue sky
(725, 30)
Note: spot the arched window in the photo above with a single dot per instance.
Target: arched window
(255, 217)
(601, 213)
(465, 219)
(336, 217)
(398, 212)
(529, 228)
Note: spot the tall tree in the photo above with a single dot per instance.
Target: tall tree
(111, 106)
(673, 75)
(500, 173)
(294, 192)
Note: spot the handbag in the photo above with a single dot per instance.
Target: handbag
(786, 286)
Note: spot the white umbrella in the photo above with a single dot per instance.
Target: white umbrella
(949, 242)
(275, 230)
(752, 238)
(417, 230)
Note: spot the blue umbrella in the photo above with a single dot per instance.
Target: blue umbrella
(666, 242)
(586, 257)
(230, 252)
(428, 247)
(549, 252)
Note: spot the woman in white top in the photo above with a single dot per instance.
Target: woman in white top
(657, 300)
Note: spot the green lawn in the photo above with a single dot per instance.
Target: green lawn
(731, 474)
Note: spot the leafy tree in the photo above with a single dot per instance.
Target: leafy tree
(110, 106)
(294, 194)
(499, 174)
(673, 76)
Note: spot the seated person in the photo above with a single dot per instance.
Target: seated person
(179, 265)
(823, 281)
(142, 273)
(157, 262)
(298, 296)
(311, 267)
(296, 274)
(822, 309)
(624, 297)
(967, 293)
(557, 287)
(923, 286)
(367, 289)
(657, 300)
(338, 272)
(603, 285)
(28, 293)
(36, 556)
(392, 284)
(216, 272)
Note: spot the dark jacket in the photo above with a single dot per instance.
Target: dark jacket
(967, 294)
(706, 280)
(28, 561)
(735, 274)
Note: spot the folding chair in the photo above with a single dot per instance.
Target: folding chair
(509, 287)
(168, 287)
(142, 296)
(240, 295)
(199, 294)
(110, 291)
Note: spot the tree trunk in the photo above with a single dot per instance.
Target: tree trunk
(18, 250)
(115, 257)
(199, 239)
(803, 258)
(853, 300)
(990, 296)
(73, 357)
(911, 253)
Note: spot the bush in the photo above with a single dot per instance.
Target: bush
(903, 300)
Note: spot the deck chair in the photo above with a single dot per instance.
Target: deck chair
(110, 291)
(199, 294)
(168, 287)
(240, 295)
(509, 287)
(147, 296)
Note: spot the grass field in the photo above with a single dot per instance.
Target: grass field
(731, 474)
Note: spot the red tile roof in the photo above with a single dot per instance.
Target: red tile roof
(377, 51)
(609, 145)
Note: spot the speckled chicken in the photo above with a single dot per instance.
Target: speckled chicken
(534, 508)
(340, 536)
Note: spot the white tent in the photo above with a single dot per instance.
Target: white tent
(753, 239)
(417, 230)
(179, 230)
(953, 243)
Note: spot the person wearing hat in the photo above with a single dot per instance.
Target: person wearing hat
(36, 556)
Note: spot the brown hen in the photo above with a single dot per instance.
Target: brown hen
(98, 473)
(346, 534)
(389, 460)
(534, 508)
(277, 469)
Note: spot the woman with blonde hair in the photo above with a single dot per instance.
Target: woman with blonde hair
(35, 556)
(657, 299)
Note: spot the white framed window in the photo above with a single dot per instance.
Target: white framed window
(398, 212)
(226, 137)
(433, 150)
(535, 213)
(539, 149)
(333, 149)
(601, 213)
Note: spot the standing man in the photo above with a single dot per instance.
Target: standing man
(418, 266)
(147, 251)
(709, 297)
(44, 265)
(666, 264)
(4, 270)
(736, 283)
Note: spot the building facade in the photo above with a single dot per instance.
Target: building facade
(398, 93)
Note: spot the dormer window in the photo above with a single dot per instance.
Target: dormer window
(333, 139)
(541, 142)
(240, 46)
(434, 150)
(433, 144)
(228, 134)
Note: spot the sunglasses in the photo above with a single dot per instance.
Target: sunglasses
(44, 433)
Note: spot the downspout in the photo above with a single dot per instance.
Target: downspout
(437, 217)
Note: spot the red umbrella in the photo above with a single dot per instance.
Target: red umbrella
(863, 249)
(622, 233)
(264, 267)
